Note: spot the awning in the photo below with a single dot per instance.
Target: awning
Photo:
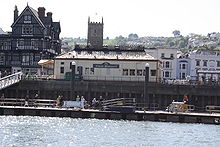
(46, 62)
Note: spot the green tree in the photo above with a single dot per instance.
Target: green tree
(176, 33)
(133, 36)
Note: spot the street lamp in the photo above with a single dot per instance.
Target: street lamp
(146, 94)
(73, 67)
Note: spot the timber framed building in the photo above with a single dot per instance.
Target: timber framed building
(34, 36)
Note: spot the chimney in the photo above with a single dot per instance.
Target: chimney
(41, 12)
(15, 13)
(49, 14)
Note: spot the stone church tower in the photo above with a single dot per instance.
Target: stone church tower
(95, 34)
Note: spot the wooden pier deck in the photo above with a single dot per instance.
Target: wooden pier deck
(162, 116)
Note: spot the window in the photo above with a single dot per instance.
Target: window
(197, 62)
(2, 59)
(32, 43)
(183, 66)
(62, 63)
(92, 71)
(171, 56)
(139, 72)
(37, 57)
(27, 18)
(162, 55)
(25, 59)
(167, 64)
(218, 63)
(153, 72)
(125, 72)
(86, 71)
(132, 72)
(167, 74)
(21, 42)
(70, 65)
(27, 29)
(61, 70)
(15, 57)
(204, 62)
(183, 75)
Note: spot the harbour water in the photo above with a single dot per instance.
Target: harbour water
(26, 131)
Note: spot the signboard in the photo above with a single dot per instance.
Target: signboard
(105, 65)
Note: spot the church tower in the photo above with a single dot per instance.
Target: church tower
(95, 34)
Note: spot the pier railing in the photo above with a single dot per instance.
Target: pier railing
(10, 80)
(29, 102)
(119, 102)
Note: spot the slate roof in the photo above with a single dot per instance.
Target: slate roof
(35, 14)
(56, 26)
(2, 32)
(102, 55)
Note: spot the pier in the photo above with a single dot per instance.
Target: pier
(162, 116)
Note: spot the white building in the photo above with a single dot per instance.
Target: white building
(205, 63)
(108, 65)
(168, 56)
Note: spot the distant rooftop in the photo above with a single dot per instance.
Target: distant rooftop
(2, 32)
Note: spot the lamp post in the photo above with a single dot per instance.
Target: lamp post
(73, 67)
(146, 94)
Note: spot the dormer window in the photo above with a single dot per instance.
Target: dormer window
(171, 56)
(162, 55)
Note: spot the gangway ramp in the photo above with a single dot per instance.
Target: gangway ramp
(10, 80)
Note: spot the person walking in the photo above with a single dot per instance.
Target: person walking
(2, 99)
(82, 102)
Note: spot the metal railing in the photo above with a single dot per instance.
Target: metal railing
(210, 108)
(29, 102)
(119, 102)
(10, 80)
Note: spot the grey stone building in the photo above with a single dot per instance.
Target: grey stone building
(95, 34)
(34, 36)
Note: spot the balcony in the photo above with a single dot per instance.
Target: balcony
(27, 48)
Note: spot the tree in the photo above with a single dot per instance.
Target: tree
(133, 36)
(176, 33)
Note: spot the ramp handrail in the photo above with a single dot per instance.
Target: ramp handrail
(10, 80)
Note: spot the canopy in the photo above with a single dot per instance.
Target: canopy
(46, 62)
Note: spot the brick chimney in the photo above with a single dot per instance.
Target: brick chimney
(15, 13)
(41, 12)
(49, 14)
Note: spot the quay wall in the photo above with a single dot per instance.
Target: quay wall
(149, 116)
(160, 94)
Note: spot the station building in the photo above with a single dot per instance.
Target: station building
(108, 65)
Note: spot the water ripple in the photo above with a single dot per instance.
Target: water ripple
(25, 131)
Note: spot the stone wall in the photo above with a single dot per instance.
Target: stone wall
(160, 94)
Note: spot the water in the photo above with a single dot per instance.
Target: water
(25, 131)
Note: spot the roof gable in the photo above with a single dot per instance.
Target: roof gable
(32, 12)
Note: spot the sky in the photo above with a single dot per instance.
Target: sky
(122, 17)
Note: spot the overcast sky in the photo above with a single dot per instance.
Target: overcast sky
(122, 17)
